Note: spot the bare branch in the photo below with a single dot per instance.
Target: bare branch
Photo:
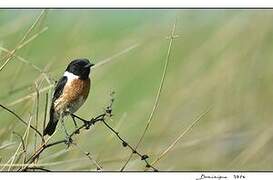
(86, 125)
(143, 157)
(37, 168)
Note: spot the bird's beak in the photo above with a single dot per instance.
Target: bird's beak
(89, 65)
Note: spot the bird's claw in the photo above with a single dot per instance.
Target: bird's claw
(87, 124)
(77, 131)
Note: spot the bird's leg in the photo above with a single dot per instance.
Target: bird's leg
(75, 123)
(67, 137)
(66, 133)
(73, 118)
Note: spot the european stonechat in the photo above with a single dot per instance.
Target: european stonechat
(70, 93)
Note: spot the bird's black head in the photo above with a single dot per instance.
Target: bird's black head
(80, 67)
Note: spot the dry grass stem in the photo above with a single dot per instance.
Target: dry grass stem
(172, 145)
(107, 60)
(12, 159)
(156, 102)
(22, 42)
(88, 155)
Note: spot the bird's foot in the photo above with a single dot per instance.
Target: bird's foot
(77, 131)
(87, 124)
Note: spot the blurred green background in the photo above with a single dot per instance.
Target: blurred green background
(221, 59)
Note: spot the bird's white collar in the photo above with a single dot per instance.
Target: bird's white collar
(70, 76)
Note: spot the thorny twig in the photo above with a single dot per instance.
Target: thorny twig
(86, 125)
(143, 157)
(44, 146)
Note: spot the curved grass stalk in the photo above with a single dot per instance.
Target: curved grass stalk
(12, 159)
(171, 146)
(23, 41)
(156, 102)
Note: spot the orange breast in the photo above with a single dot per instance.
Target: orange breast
(76, 88)
(74, 95)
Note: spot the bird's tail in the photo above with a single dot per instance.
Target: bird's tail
(53, 120)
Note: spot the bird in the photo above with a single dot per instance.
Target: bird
(70, 93)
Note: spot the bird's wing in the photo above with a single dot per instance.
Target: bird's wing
(59, 88)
